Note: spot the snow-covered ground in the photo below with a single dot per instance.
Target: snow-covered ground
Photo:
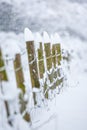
(71, 103)
(70, 20)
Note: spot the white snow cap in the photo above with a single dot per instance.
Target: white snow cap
(52, 39)
(38, 37)
(28, 35)
(46, 38)
(57, 38)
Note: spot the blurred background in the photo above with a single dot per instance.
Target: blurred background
(64, 16)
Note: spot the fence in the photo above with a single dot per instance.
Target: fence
(36, 71)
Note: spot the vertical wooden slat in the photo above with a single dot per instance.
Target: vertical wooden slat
(41, 61)
(3, 77)
(59, 58)
(32, 64)
(48, 60)
(58, 50)
(19, 72)
(54, 60)
(28, 80)
(32, 59)
(48, 55)
(19, 79)
(40, 68)
(54, 55)
(20, 83)
(58, 53)
(3, 73)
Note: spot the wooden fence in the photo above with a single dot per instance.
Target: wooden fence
(39, 78)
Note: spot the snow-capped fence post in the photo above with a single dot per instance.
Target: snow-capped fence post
(55, 54)
(3, 77)
(40, 58)
(41, 68)
(32, 60)
(47, 62)
(54, 61)
(3, 74)
(53, 51)
(20, 82)
(28, 95)
(60, 76)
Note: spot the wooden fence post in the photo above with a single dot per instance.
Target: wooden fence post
(32, 60)
(20, 83)
(58, 59)
(28, 80)
(54, 59)
(40, 58)
(58, 48)
(48, 62)
(19, 72)
(41, 68)
(3, 73)
(3, 77)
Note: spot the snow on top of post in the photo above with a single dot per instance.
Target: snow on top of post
(38, 39)
(57, 38)
(46, 38)
(28, 35)
(52, 39)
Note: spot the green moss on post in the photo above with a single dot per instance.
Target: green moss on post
(3, 74)
(19, 73)
(20, 84)
(54, 55)
(41, 61)
(59, 58)
(58, 50)
(42, 67)
(48, 55)
(54, 59)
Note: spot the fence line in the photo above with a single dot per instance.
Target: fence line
(44, 71)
